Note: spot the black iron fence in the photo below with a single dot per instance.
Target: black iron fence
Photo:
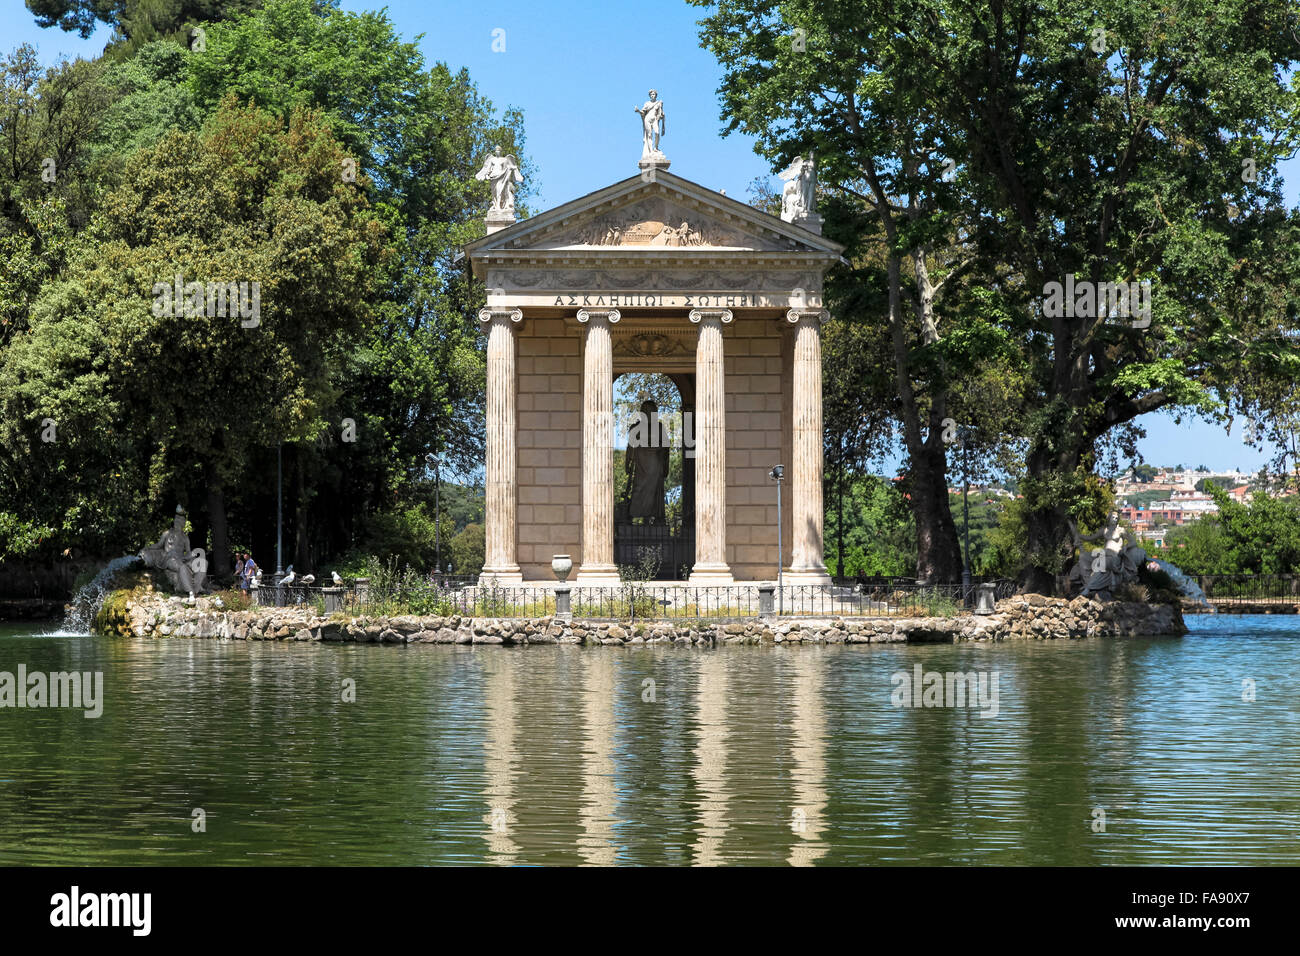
(662, 551)
(445, 595)
(1229, 591)
(465, 597)
(885, 597)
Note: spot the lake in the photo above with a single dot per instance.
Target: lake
(1100, 752)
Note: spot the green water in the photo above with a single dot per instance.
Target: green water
(550, 755)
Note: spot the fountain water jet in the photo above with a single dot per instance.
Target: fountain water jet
(89, 598)
(1185, 584)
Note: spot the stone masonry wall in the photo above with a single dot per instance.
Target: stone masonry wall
(1027, 617)
(758, 429)
(549, 478)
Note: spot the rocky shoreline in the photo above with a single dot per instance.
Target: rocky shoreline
(1029, 616)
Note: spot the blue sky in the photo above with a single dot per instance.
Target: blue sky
(577, 69)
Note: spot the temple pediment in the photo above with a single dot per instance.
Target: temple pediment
(659, 217)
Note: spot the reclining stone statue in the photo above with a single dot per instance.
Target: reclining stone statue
(1098, 572)
(186, 569)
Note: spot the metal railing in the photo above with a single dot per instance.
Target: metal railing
(885, 598)
(1240, 591)
(631, 601)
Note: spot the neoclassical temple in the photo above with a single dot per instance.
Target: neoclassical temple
(653, 274)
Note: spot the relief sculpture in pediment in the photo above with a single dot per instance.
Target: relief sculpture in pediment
(652, 223)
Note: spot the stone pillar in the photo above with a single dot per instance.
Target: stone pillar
(598, 568)
(806, 563)
(500, 557)
(710, 450)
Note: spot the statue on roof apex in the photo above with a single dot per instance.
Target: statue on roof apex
(652, 128)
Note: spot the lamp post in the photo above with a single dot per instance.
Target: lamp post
(279, 506)
(776, 474)
(965, 517)
(437, 526)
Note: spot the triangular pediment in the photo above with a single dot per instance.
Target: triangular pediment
(654, 221)
(657, 214)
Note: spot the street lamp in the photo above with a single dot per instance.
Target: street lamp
(279, 506)
(965, 517)
(777, 474)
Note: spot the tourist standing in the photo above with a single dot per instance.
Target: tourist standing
(250, 568)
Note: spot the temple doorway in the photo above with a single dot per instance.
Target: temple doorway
(654, 475)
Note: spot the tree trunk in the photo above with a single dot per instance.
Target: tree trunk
(302, 557)
(219, 559)
(938, 554)
(839, 517)
(1045, 526)
(938, 551)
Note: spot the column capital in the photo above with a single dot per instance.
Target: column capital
(795, 316)
(724, 315)
(487, 315)
(610, 315)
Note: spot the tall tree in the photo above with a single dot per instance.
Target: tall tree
(154, 393)
(1121, 142)
(1093, 143)
(136, 20)
(418, 134)
(805, 76)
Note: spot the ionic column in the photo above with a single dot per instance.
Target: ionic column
(598, 568)
(710, 450)
(500, 563)
(806, 563)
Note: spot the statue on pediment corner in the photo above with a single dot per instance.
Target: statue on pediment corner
(797, 196)
(503, 173)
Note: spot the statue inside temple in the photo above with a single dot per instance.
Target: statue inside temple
(646, 464)
(185, 568)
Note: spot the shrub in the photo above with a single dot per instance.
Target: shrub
(936, 604)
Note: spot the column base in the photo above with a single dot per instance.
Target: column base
(711, 575)
(802, 577)
(598, 576)
(503, 577)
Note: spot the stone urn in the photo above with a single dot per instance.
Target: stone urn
(561, 564)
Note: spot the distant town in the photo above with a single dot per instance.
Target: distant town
(1151, 500)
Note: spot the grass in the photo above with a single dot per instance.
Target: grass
(934, 604)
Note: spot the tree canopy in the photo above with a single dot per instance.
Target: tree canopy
(1003, 147)
(366, 369)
